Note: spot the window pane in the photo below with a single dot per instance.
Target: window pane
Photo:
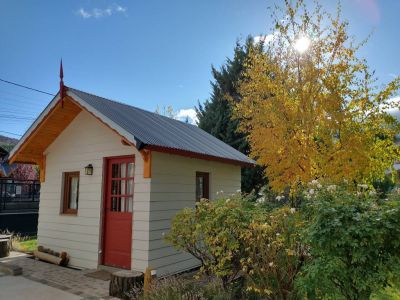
(123, 184)
(123, 170)
(122, 205)
(73, 193)
(115, 171)
(115, 203)
(130, 204)
(115, 187)
(131, 169)
(202, 185)
(130, 187)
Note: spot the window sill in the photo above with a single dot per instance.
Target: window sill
(75, 214)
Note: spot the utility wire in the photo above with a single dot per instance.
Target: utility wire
(16, 134)
(26, 87)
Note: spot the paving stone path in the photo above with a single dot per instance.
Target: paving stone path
(66, 279)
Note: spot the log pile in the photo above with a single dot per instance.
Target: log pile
(54, 257)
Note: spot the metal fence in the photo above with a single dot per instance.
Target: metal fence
(19, 195)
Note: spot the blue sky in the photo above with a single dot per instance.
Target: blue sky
(148, 53)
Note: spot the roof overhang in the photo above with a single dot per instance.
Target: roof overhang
(51, 122)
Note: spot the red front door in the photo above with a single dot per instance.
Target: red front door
(118, 212)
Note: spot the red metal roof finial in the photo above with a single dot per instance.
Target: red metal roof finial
(62, 88)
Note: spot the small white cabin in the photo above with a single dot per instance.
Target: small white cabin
(114, 175)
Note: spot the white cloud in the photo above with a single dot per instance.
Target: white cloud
(83, 13)
(189, 113)
(394, 111)
(101, 12)
(264, 38)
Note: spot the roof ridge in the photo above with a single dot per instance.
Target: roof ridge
(132, 106)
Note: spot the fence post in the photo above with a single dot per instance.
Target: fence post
(1, 192)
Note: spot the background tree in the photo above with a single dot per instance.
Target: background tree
(24, 172)
(311, 107)
(215, 116)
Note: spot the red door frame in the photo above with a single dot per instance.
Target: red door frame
(104, 203)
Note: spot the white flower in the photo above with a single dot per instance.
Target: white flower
(278, 234)
(331, 188)
(261, 200)
(227, 200)
(319, 186)
(311, 191)
(363, 186)
(292, 210)
(372, 193)
(271, 264)
(279, 198)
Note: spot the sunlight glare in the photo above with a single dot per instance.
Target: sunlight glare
(302, 44)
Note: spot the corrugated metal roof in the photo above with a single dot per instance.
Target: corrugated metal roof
(160, 131)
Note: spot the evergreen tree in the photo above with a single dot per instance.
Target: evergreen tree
(215, 114)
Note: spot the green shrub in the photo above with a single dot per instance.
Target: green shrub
(354, 242)
(239, 238)
(212, 232)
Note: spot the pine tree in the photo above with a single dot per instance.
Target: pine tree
(215, 114)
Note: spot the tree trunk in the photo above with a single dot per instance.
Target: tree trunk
(123, 282)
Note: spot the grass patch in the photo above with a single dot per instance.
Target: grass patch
(24, 244)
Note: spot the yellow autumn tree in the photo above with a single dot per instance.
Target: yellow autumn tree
(312, 107)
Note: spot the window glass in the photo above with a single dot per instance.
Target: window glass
(202, 185)
(71, 193)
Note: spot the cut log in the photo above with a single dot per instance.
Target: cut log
(123, 282)
(48, 257)
(4, 247)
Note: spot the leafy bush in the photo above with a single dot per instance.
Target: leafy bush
(212, 232)
(354, 242)
(240, 238)
(274, 254)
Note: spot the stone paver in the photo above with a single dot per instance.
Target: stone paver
(66, 279)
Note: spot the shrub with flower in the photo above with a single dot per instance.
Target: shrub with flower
(354, 243)
(274, 253)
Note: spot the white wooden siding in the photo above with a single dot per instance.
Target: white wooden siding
(172, 189)
(86, 141)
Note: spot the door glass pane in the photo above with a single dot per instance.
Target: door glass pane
(130, 204)
(115, 187)
(122, 205)
(115, 171)
(123, 170)
(131, 169)
(73, 195)
(123, 184)
(130, 187)
(115, 203)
